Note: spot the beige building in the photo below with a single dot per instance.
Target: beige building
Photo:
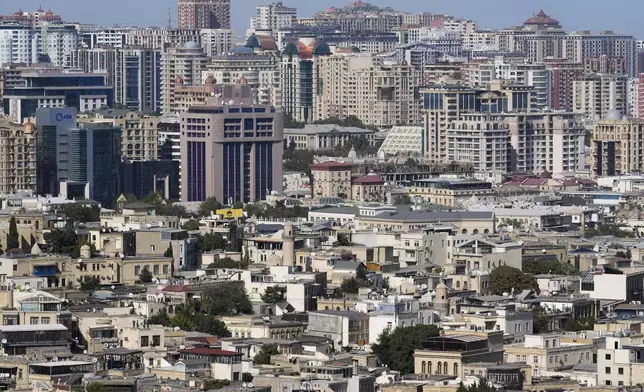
(363, 86)
(452, 193)
(180, 66)
(17, 156)
(139, 138)
(368, 188)
(547, 353)
(479, 138)
(462, 221)
(331, 179)
(204, 14)
(620, 363)
(596, 94)
(616, 145)
(448, 354)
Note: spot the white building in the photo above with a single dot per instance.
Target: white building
(180, 66)
(595, 94)
(18, 45)
(273, 17)
(217, 41)
(57, 42)
(480, 139)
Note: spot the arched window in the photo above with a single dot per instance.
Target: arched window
(424, 367)
(464, 231)
(326, 308)
(455, 369)
(464, 285)
(458, 284)
(486, 231)
(439, 370)
(429, 367)
(445, 368)
(476, 231)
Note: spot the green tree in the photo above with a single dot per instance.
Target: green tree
(168, 252)
(80, 212)
(232, 237)
(96, 387)
(161, 318)
(13, 241)
(89, 283)
(484, 386)
(552, 267)
(361, 273)
(540, 322)
(353, 285)
(228, 299)
(61, 241)
(247, 377)
(211, 384)
(506, 278)
(227, 262)
(403, 199)
(211, 241)
(209, 206)
(579, 325)
(396, 349)
(273, 295)
(343, 240)
(145, 276)
(263, 357)
(246, 259)
(191, 316)
(191, 225)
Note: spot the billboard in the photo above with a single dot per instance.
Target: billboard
(231, 213)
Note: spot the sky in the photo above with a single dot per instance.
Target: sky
(621, 16)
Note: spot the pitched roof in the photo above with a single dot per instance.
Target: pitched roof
(331, 165)
(368, 179)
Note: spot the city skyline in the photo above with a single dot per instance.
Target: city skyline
(506, 13)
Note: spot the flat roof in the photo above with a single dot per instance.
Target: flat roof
(32, 327)
(61, 363)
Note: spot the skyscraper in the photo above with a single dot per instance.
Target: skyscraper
(95, 161)
(52, 159)
(232, 149)
(204, 14)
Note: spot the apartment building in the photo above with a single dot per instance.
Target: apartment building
(595, 94)
(273, 17)
(616, 145)
(18, 45)
(562, 74)
(217, 41)
(479, 138)
(17, 156)
(362, 86)
(204, 14)
(180, 66)
(578, 46)
(331, 179)
(620, 363)
(161, 38)
(547, 353)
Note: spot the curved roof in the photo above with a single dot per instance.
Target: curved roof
(613, 114)
(542, 19)
(264, 42)
(191, 45)
(315, 48)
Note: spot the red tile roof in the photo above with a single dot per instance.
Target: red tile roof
(569, 182)
(331, 165)
(534, 182)
(365, 180)
(210, 351)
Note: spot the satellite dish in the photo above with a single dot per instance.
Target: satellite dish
(113, 287)
(85, 352)
(94, 359)
(131, 295)
(182, 347)
(244, 385)
(4, 341)
(177, 329)
(250, 385)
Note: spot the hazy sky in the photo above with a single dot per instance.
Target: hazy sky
(622, 16)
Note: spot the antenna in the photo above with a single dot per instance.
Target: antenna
(169, 19)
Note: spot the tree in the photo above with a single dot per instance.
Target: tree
(61, 241)
(506, 279)
(551, 267)
(403, 199)
(191, 225)
(273, 295)
(146, 276)
(89, 283)
(579, 325)
(168, 252)
(343, 240)
(263, 357)
(211, 241)
(161, 318)
(13, 241)
(484, 386)
(247, 377)
(226, 299)
(540, 323)
(232, 237)
(96, 387)
(396, 349)
(227, 262)
(80, 212)
(191, 316)
(246, 258)
(211, 384)
(209, 206)
(353, 285)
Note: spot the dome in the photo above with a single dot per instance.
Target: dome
(191, 45)
(291, 48)
(542, 19)
(321, 49)
(613, 115)
(210, 80)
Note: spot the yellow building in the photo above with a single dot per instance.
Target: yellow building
(368, 188)
(616, 145)
(331, 179)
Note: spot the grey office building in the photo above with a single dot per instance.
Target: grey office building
(95, 161)
(52, 154)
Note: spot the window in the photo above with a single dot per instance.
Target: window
(550, 359)
(424, 367)
(429, 367)
(45, 320)
(153, 248)
(608, 357)
(33, 320)
(156, 269)
(439, 370)
(535, 359)
(607, 370)
(156, 340)
(620, 370)
(145, 341)
(137, 270)
(455, 369)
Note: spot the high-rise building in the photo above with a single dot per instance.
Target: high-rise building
(595, 94)
(33, 20)
(606, 64)
(273, 17)
(232, 149)
(27, 88)
(204, 14)
(95, 161)
(443, 104)
(363, 86)
(139, 137)
(299, 77)
(159, 38)
(17, 156)
(140, 178)
(52, 148)
(579, 46)
(562, 74)
(180, 66)
(218, 41)
(616, 145)
(18, 45)
(92, 37)
(57, 42)
(134, 73)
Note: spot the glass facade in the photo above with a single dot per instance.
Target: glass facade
(196, 171)
(46, 160)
